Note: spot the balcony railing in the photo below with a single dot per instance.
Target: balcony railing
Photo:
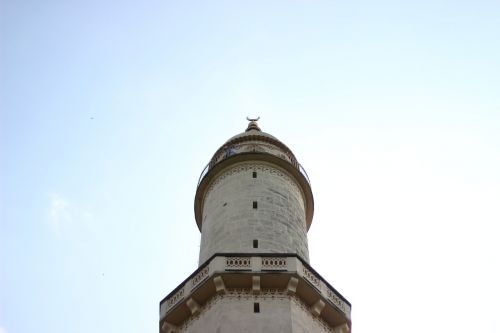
(254, 264)
(219, 159)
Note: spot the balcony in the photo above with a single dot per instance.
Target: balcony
(287, 274)
(223, 154)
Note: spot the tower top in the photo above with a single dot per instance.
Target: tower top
(253, 145)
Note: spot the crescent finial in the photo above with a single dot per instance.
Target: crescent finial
(252, 125)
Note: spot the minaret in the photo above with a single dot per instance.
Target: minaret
(254, 206)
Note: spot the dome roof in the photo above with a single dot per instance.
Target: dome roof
(252, 130)
(254, 140)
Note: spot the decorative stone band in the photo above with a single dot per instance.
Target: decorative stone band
(223, 154)
(252, 148)
(175, 298)
(261, 167)
(263, 265)
(256, 264)
(266, 294)
(274, 263)
(311, 277)
(237, 263)
(202, 275)
(332, 297)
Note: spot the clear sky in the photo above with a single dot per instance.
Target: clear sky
(109, 110)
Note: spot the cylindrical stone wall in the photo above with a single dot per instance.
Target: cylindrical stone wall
(235, 312)
(253, 207)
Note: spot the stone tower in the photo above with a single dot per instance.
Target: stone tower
(254, 206)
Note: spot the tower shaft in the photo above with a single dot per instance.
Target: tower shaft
(253, 207)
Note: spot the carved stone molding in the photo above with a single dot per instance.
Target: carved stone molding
(176, 298)
(274, 263)
(202, 275)
(311, 277)
(261, 167)
(236, 263)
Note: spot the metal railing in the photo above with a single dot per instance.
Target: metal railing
(304, 173)
(203, 173)
(211, 164)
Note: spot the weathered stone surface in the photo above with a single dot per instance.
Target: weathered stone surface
(253, 206)
(231, 313)
(231, 223)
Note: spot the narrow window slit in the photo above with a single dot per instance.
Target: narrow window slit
(254, 174)
(256, 307)
(255, 243)
(255, 204)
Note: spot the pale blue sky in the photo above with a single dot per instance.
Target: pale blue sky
(110, 110)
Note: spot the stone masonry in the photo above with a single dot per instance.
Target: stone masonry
(232, 224)
(253, 207)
